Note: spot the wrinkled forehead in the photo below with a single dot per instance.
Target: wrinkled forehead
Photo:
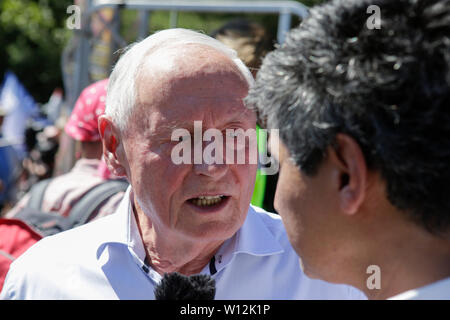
(181, 55)
(180, 86)
(189, 77)
(170, 64)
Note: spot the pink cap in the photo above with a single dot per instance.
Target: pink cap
(83, 122)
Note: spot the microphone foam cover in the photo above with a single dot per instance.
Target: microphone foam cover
(175, 286)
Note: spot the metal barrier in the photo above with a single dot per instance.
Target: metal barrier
(75, 60)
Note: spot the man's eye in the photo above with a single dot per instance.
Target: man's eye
(181, 139)
(233, 134)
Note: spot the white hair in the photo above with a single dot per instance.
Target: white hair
(121, 92)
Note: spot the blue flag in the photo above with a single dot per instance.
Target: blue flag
(19, 106)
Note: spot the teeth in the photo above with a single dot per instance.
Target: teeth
(207, 200)
(210, 197)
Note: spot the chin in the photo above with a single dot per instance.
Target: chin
(318, 274)
(309, 272)
(213, 231)
(306, 267)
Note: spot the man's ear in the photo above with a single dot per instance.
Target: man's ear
(350, 172)
(111, 141)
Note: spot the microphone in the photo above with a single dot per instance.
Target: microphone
(175, 286)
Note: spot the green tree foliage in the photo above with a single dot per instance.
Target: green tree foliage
(32, 36)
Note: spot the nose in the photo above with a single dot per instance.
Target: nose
(209, 160)
(215, 171)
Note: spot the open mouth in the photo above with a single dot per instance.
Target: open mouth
(208, 201)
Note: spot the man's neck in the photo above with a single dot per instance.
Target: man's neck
(169, 252)
(411, 260)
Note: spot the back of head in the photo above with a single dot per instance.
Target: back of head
(121, 98)
(387, 88)
(249, 39)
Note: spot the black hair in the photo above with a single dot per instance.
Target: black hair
(388, 88)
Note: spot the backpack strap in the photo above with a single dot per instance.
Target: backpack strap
(7, 255)
(84, 208)
(37, 194)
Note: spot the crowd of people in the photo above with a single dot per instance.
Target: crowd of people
(364, 152)
(89, 170)
(42, 143)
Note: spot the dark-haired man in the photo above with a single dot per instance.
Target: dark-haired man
(365, 155)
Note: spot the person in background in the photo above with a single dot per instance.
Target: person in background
(9, 170)
(65, 190)
(364, 121)
(41, 142)
(250, 40)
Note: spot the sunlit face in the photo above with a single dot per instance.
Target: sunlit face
(307, 206)
(204, 87)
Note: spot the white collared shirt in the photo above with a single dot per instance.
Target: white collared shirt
(104, 259)
(439, 290)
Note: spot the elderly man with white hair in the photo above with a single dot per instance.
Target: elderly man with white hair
(188, 218)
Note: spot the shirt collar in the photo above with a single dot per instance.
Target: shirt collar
(254, 237)
(118, 224)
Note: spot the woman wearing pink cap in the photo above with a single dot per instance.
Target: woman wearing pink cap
(89, 170)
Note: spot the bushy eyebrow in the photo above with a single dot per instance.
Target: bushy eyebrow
(173, 125)
(189, 125)
(164, 131)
